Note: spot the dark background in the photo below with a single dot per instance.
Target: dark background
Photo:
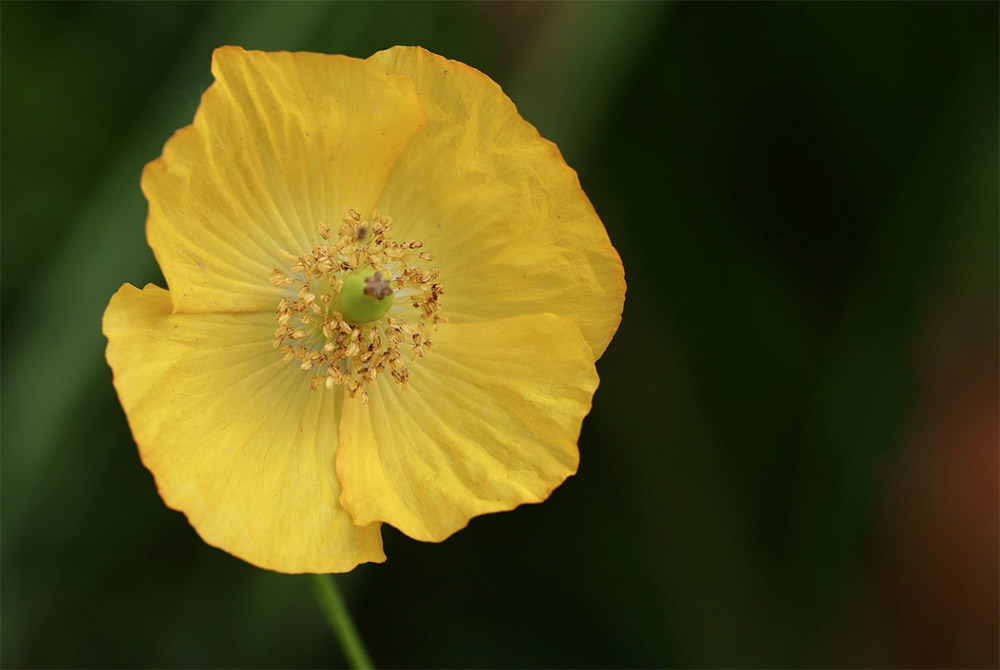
(792, 459)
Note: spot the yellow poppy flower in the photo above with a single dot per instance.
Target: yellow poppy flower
(386, 296)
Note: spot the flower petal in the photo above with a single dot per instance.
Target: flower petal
(482, 189)
(490, 420)
(279, 142)
(233, 436)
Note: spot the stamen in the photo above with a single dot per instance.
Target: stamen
(338, 320)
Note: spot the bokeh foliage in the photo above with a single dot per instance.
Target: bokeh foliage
(802, 194)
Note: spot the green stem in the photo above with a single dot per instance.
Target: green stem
(340, 622)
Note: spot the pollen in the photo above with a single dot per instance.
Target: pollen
(356, 306)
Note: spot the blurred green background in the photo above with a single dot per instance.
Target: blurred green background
(792, 458)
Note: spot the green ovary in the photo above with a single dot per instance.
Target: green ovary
(365, 297)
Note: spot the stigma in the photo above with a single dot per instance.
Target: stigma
(341, 321)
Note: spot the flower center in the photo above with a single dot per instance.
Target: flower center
(366, 296)
(353, 303)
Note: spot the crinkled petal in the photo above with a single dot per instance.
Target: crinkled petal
(504, 216)
(280, 142)
(233, 436)
(490, 420)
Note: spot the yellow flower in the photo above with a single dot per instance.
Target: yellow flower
(317, 368)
